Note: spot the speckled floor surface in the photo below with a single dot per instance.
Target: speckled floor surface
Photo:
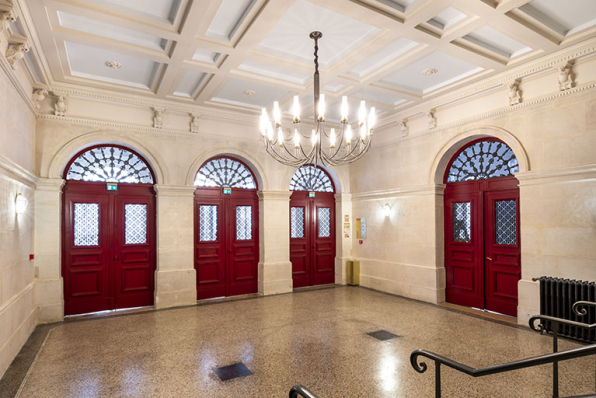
(316, 338)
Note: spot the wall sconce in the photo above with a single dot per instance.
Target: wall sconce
(386, 210)
(20, 203)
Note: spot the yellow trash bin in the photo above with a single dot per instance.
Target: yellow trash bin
(353, 273)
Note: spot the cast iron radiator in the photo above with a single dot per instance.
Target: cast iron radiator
(557, 296)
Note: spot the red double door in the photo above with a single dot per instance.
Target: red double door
(108, 247)
(482, 244)
(226, 242)
(312, 238)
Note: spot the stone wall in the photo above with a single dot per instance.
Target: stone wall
(18, 314)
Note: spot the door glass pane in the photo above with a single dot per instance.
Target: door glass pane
(297, 222)
(324, 217)
(461, 222)
(243, 222)
(208, 223)
(86, 224)
(505, 222)
(135, 224)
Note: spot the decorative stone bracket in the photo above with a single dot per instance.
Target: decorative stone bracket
(7, 15)
(514, 93)
(38, 96)
(158, 117)
(565, 76)
(194, 123)
(60, 105)
(405, 129)
(17, 48)
(431, 118)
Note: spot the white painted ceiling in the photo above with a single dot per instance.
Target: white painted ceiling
(245, 54)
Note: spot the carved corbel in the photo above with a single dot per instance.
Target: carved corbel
(158, 117)
(565, 76)
(405, 129)
(431, 119)
(514, 93)
(7, 15)
(17, 47)
(60, 105)
(194, 123)
(39, 95)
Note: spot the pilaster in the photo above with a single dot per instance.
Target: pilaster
(49, 295)
(343, 243)
(175, 277)
(275, 268)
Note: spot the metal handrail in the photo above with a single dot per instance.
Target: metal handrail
(553, 358)
(301, 391)
(541, 327)
(506, 367)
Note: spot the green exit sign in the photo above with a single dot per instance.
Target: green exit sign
(311, 194)
(227, 191)
(112, 187)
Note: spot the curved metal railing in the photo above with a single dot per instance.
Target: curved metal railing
(301, 391)
(555, 357)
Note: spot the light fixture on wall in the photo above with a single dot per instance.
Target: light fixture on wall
(321, 145)
(386, 210)
(20, 203)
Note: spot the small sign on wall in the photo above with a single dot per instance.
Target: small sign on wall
(360, 228)
(227, 191)
(311, 194)
(111, 186)
(346, 230)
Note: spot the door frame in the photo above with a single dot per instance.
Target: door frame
(89, 188)
(479, 190)
(216, 196)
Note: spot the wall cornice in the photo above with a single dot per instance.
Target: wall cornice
(420, 190)
(17, 172)
(5, 66)
(560, 175)
(50, 184)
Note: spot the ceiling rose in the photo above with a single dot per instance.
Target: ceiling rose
(321, 145)
(249, 92)
(429, 71)
(113, 64)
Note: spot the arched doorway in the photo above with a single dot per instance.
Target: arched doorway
(482, 239)
(108, 231)
(312, 227)
(226, 229)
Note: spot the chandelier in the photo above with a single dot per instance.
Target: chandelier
(333, 146)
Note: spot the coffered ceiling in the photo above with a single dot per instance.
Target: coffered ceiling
(244, 54)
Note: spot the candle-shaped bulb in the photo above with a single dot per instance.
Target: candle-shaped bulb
(363, 132)
(344, 109)
(313, 138)
(349, 134)
(372, 118)
(332, 138)
(276, 114)
(280, 136)
(296, 109)
(296, 139)
(270, 132)
(362, 113)
(321, 109)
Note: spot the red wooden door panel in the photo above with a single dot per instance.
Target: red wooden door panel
(502, 250)
(324, 239)
(312, 244)
(464, 265)
(226, 242)
(100, 270)
(86, 265)
(134, 250)
(243, 246)
(300, 247)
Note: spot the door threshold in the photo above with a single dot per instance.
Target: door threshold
(226, 299)
(480, 312)
(314, 287)
(98, 314)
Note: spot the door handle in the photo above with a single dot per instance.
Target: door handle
(488, 258)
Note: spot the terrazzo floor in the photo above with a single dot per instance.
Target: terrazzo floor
(316, 338)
